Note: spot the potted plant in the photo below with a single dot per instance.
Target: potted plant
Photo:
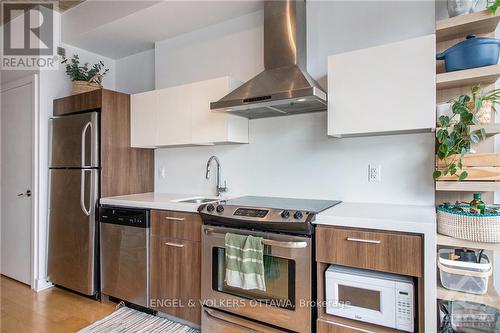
(455, 140)
(492, 5)
(84, 78)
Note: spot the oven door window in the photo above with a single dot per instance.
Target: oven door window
(359, 297)
(279, 275)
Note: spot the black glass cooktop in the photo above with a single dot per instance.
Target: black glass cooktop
(309, 205)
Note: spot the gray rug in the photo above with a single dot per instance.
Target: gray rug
(126, 320)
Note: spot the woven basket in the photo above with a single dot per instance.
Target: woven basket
(84, 86)
(478, 228)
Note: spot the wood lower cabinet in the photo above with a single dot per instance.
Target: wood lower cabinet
(175, 277)
(376, 250)
(179, 225)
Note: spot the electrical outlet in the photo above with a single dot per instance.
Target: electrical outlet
(374, 173)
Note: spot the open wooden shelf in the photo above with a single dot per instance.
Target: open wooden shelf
(468, 77)
(467, 186)
(491, 298)
(443, 240)
(491, 129)
(463, 25)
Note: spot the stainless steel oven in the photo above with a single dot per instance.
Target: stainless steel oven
(286, 302)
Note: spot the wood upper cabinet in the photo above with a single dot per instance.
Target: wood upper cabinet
(175, 277)
(388, 89)
(181, 115)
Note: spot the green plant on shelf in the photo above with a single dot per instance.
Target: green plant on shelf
(455, 137)
(492, 5)
(76, 72)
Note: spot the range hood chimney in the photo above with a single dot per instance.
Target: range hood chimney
(284, 87)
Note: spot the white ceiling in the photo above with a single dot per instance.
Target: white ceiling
(117, 29)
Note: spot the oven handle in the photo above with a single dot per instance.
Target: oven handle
(254, 327)
(269, 242)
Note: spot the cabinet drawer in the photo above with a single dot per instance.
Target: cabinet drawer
(383, 251)
(175, 277)
(179, 225)
(327, 327)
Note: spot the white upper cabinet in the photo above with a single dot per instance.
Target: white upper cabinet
(388, 89)
(143, 119)
(215, 127)
(174, 116)
(181, 115)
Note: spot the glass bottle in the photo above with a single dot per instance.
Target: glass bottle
(477, 206)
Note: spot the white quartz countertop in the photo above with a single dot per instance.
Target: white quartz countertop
(166, 201)
(409, 218)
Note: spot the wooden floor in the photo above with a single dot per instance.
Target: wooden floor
(50, 311)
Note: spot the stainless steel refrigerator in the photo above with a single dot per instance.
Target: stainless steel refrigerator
(73, 197)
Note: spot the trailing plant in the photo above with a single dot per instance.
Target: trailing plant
(492, 5)
(454, 141)
(76, 72)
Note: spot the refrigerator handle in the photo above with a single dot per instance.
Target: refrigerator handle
(84, 133)
(82, 193)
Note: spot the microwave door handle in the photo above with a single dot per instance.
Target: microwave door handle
(269, 242)
(250, 326)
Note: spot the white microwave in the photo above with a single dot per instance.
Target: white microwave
(379, 298)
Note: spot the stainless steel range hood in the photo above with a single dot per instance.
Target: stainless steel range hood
(284, 87)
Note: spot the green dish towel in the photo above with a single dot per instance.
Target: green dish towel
(244, 262)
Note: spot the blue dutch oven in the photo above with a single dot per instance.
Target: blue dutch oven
(470, 53)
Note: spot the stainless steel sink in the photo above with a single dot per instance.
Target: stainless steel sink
(197, 200)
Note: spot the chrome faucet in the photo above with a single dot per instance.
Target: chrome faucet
(219, 189)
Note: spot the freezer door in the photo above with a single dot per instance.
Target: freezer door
(72, 228)
(75, 141)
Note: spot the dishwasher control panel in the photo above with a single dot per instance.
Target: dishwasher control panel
(124, 216)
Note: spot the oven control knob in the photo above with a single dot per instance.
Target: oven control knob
(219, 209)
(285, 214)
(210, 208)
(298, 215)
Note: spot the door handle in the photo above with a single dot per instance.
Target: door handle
(27, 193)
(82, 193)
(84, 133)
(360, 240)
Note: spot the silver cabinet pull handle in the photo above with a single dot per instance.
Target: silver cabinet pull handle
(174, 218)
(174, 244)
(360, 240)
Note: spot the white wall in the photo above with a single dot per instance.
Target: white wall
(55, 84)
(136, 73)
(292, 156)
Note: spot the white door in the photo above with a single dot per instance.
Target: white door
(16, 120)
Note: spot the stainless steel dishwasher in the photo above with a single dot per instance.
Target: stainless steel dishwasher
(124, 235)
